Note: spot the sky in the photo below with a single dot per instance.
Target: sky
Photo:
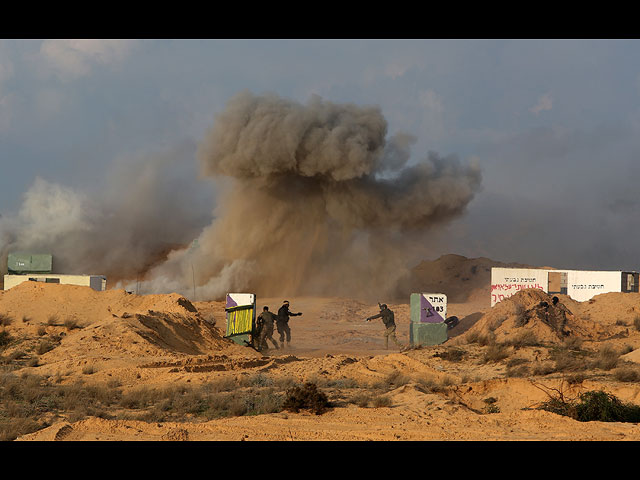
(553, 126)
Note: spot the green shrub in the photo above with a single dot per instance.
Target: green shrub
(594, 406)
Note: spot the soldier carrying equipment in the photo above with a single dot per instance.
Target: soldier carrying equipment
(282, 322)
(388, 320)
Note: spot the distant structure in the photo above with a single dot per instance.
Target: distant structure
(580, 285)
(31, 267)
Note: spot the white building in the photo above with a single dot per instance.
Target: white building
(580, 285)
(97, 282)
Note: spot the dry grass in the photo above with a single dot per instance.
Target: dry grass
(5, 320)
(496, 353)
(607, 358)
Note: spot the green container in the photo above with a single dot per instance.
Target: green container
(25, 263)
(428, 333)
(426, 329)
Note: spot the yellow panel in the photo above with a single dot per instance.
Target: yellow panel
(239, 321)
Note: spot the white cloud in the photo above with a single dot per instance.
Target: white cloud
(545, 102)
(76, 58)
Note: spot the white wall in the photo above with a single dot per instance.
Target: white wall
(583, 285)
(506, 282)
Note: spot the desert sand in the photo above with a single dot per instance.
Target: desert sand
(155, 341)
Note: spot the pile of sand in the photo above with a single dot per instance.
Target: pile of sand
(534, 312)
(108, 329)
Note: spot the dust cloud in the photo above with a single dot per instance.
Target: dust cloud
(310, 199)
(313, 199)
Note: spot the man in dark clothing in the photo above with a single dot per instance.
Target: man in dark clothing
(389, 323)
(282, 322)
(265, 320)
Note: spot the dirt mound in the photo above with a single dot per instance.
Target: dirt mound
(74, 328)
(532, 311)
(462, 279)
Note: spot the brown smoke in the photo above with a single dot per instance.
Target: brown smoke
(313, 199)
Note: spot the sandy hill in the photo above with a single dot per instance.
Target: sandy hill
(104, 329)
(462, 279)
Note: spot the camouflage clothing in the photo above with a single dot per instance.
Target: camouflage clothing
(390, 324)
(265, 320)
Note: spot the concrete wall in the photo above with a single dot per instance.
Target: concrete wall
(97, 282)
(506, 282)
(581, 285)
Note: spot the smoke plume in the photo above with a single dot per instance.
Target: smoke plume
(312, 199)
(147, 207)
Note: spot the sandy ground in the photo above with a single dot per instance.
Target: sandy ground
(159, 340)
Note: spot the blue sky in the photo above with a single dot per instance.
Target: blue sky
(553, 124)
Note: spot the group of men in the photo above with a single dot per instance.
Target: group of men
(264, 327)
(266, 320)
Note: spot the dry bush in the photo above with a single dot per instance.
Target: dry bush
(526, 338)
(45, 346)
(626, 374)
(517, 371)
(542, 369)
(491, 406)
(572, 343)
(575, 378)
(5, 320)
(307, 397)
(452, 354)
(362, 399)
(496, 353)
(382, 401)
(5, 338)
(607, 358)
(71, 323)
(393, 380)
(482, 339)
(52, 320)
